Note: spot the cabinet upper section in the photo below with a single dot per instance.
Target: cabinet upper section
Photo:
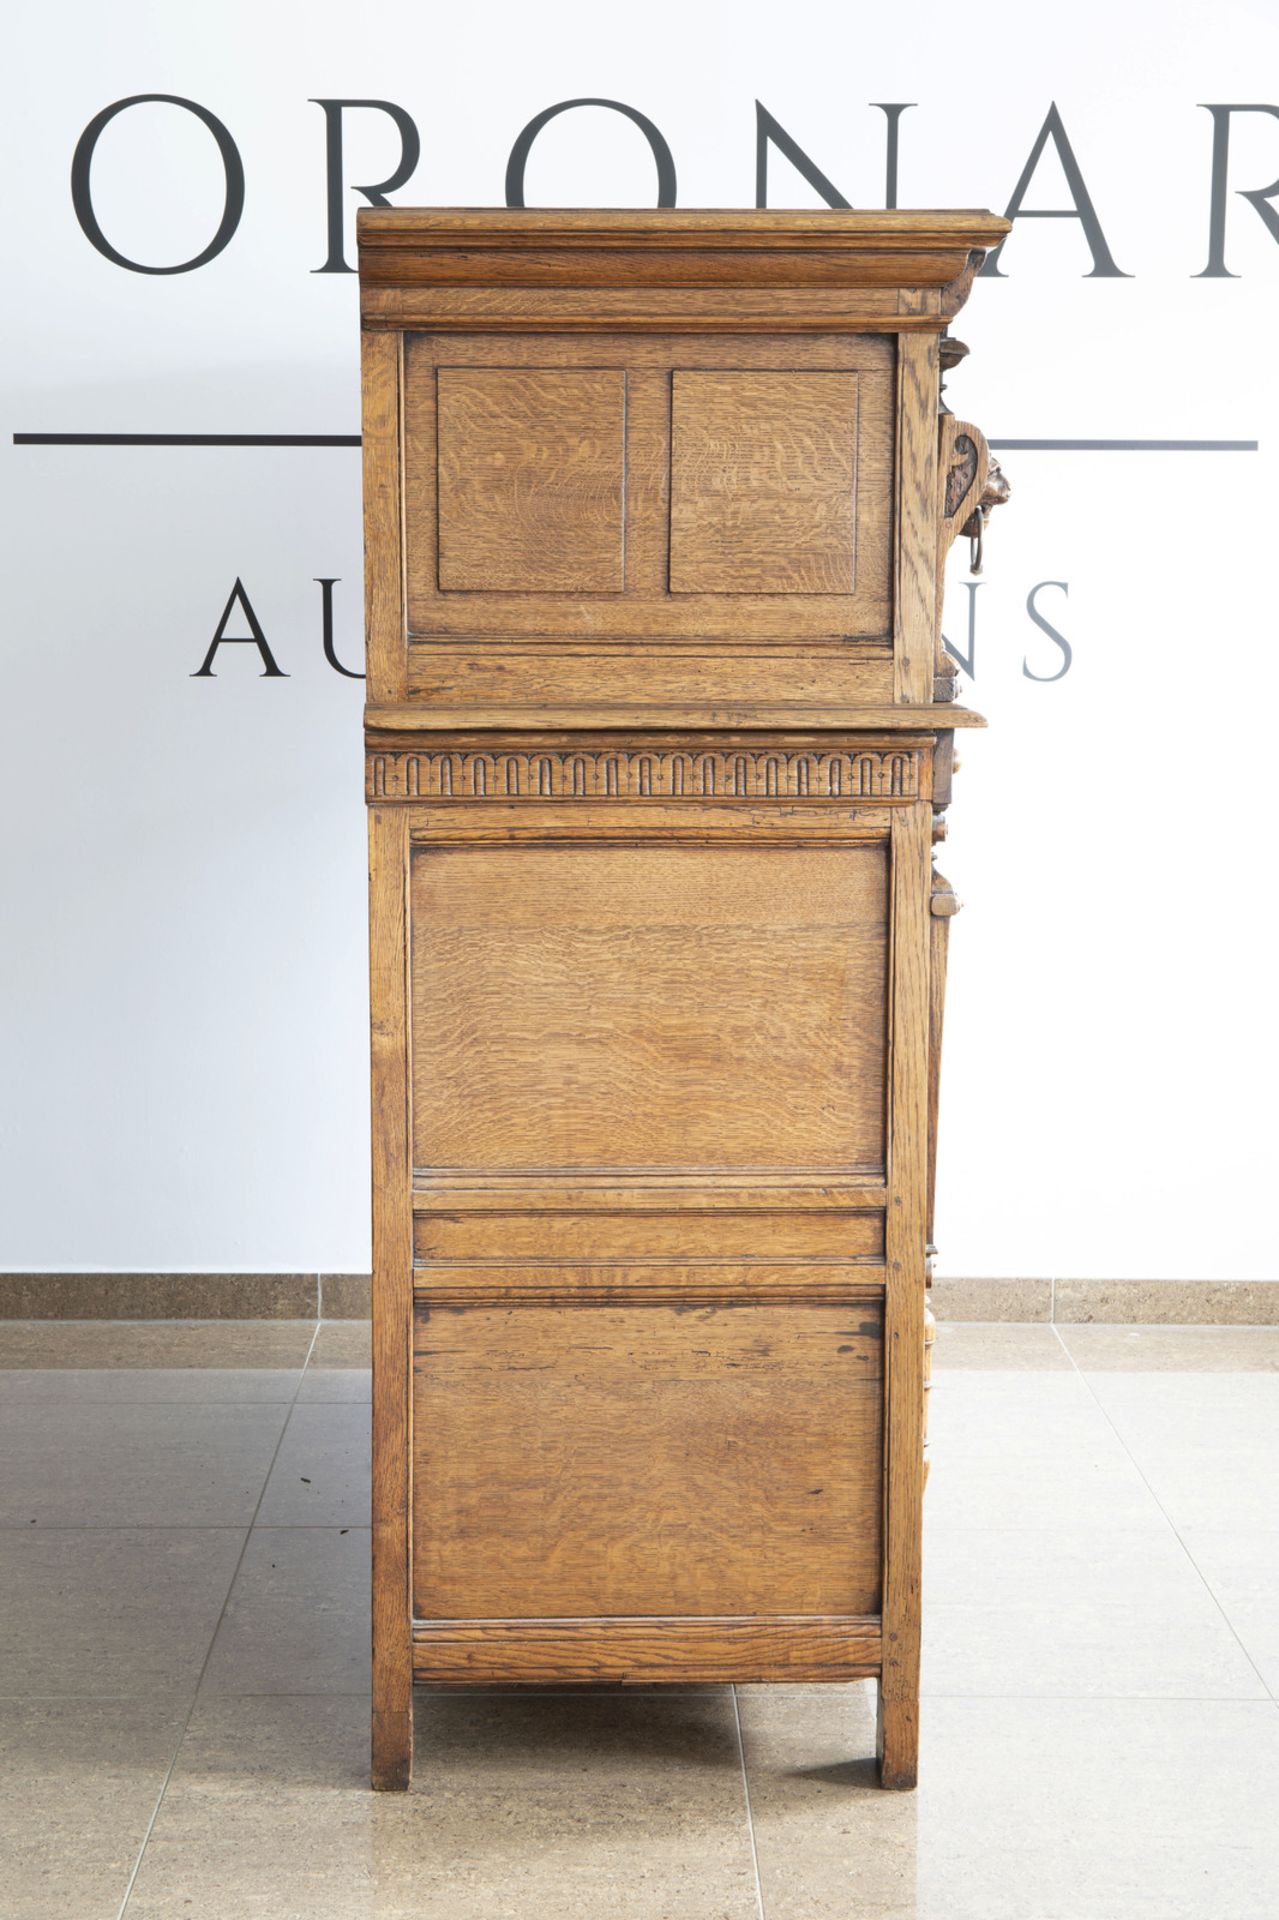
(664, 460)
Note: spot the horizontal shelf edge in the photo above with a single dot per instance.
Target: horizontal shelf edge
(406, 717)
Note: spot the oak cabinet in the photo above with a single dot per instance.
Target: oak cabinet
(659, 727)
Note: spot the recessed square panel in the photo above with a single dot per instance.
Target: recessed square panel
(531, 479)
(763, 482)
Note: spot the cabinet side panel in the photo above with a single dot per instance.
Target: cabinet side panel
(392, 1296)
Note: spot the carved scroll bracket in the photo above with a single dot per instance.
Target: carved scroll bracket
(969, 483)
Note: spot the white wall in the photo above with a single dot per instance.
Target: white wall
(184, 1070)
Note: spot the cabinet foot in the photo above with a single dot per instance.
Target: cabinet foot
(897, 1742)
(392, 1760)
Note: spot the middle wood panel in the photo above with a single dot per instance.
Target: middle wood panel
(581, 1009)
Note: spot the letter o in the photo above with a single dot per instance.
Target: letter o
(523, 146)
(82, 199)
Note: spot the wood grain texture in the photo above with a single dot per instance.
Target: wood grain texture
(629, 1652)
(392, 1300)
(584, 1006)
(637, 310)
(526, 480)
(811, 1190)
(556, 671)
(639, 229)
(940, 899)
(683, 1235)
(723, 716)
(764, 482)
(531, 466)
(906, 1227)
(914, 631)
(384, 608)
(722, 269)
(646, 1460)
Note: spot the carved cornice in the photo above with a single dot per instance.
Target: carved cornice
(727, 271)
(638, 773)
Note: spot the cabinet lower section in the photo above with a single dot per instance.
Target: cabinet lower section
(651, 1101)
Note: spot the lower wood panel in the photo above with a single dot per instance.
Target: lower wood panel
(647, 1460)
(632, 1652)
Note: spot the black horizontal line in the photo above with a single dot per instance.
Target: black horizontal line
(353, 440)
(186, 439)
(1124, 446)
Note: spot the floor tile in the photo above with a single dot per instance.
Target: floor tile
(1205, 1442)
(297, 1620)
(321, 1473)
(79, 1780)
(336, 1383)
(159, 1385)
(342, 1343)
(97, 1612)
(617, 1804)
(1026, 1810)
(1242, 1570)
(1036, 1613)
(992, 1346)
(87, 1464)
(339, 1368)
(1173, 1349)
(239, 1344)
(1029, 1450)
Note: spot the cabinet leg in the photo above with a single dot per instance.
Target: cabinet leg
(897, 1742)
(392, 1767)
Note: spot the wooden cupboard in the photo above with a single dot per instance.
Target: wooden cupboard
(658, 739)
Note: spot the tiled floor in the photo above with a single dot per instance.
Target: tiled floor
(184, 1663)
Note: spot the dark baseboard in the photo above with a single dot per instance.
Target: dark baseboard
(345, 1296)
(184, 1296)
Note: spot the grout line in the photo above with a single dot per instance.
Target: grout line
(208, 1654)
(1172, 1525)
(319, 1297)
(746, 1791)
(1052, 1299)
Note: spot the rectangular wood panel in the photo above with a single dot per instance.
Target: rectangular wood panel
(646, 1460)
(531, 476)
(676, 1006)
(763, 482)
(538, 508)
(645, 1235)
(641, 1652)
